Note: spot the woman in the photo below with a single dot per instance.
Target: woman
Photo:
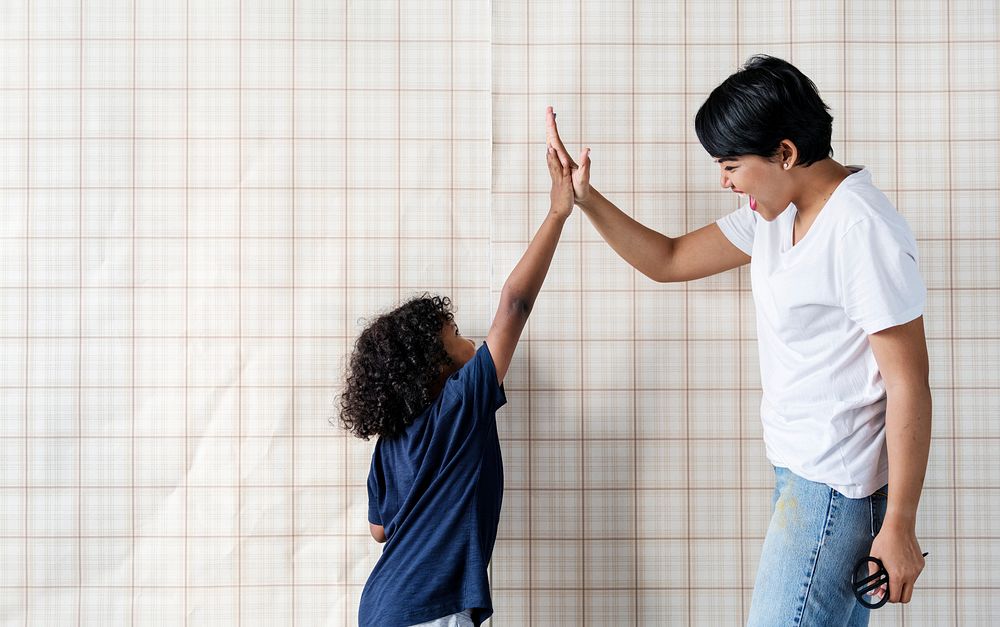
(846, 406)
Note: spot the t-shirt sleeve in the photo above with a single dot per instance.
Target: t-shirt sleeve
(478, 377)
(739, 227)
(880, 281)
(374, 491)
(474, 389)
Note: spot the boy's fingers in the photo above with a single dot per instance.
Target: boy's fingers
(552, 137)
(552, 160)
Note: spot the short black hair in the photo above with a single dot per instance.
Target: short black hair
(762, 103)
(394, 368)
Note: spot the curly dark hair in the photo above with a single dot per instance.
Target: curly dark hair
(395, 366)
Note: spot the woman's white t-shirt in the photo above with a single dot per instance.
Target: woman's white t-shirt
(854, 273)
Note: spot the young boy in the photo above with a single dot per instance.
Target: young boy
(436, 480)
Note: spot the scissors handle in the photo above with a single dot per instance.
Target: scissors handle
(864, 585)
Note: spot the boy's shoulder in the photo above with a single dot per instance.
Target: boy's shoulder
(478, 372)
(468, 394)
(473, 389)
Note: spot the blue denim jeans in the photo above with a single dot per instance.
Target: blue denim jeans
(815, 537)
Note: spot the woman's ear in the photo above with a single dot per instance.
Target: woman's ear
(788, 153)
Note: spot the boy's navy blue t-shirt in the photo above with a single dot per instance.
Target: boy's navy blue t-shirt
(437, 490)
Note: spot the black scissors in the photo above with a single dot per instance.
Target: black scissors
(864, 583)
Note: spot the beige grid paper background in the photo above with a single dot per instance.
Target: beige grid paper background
(201, 200)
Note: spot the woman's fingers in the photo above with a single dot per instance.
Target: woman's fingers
(581, 177)
(906, 594)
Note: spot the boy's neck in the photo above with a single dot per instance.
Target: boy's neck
(446, 373)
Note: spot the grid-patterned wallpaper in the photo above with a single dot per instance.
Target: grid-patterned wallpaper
(200, 202)
(638, 488)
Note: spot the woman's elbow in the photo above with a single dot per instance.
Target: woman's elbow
(661, 273)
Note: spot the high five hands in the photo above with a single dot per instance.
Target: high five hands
(581, 173)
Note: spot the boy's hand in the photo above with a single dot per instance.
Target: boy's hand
(561, 195)
(580, 173)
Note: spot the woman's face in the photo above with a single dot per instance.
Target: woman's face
(761, 180)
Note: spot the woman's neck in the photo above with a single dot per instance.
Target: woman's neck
(817, 183)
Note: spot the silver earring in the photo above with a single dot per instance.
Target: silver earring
(786, 166)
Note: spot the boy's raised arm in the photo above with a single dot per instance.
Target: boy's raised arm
(521, 289)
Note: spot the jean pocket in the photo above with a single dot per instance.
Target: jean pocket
(878, 502)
